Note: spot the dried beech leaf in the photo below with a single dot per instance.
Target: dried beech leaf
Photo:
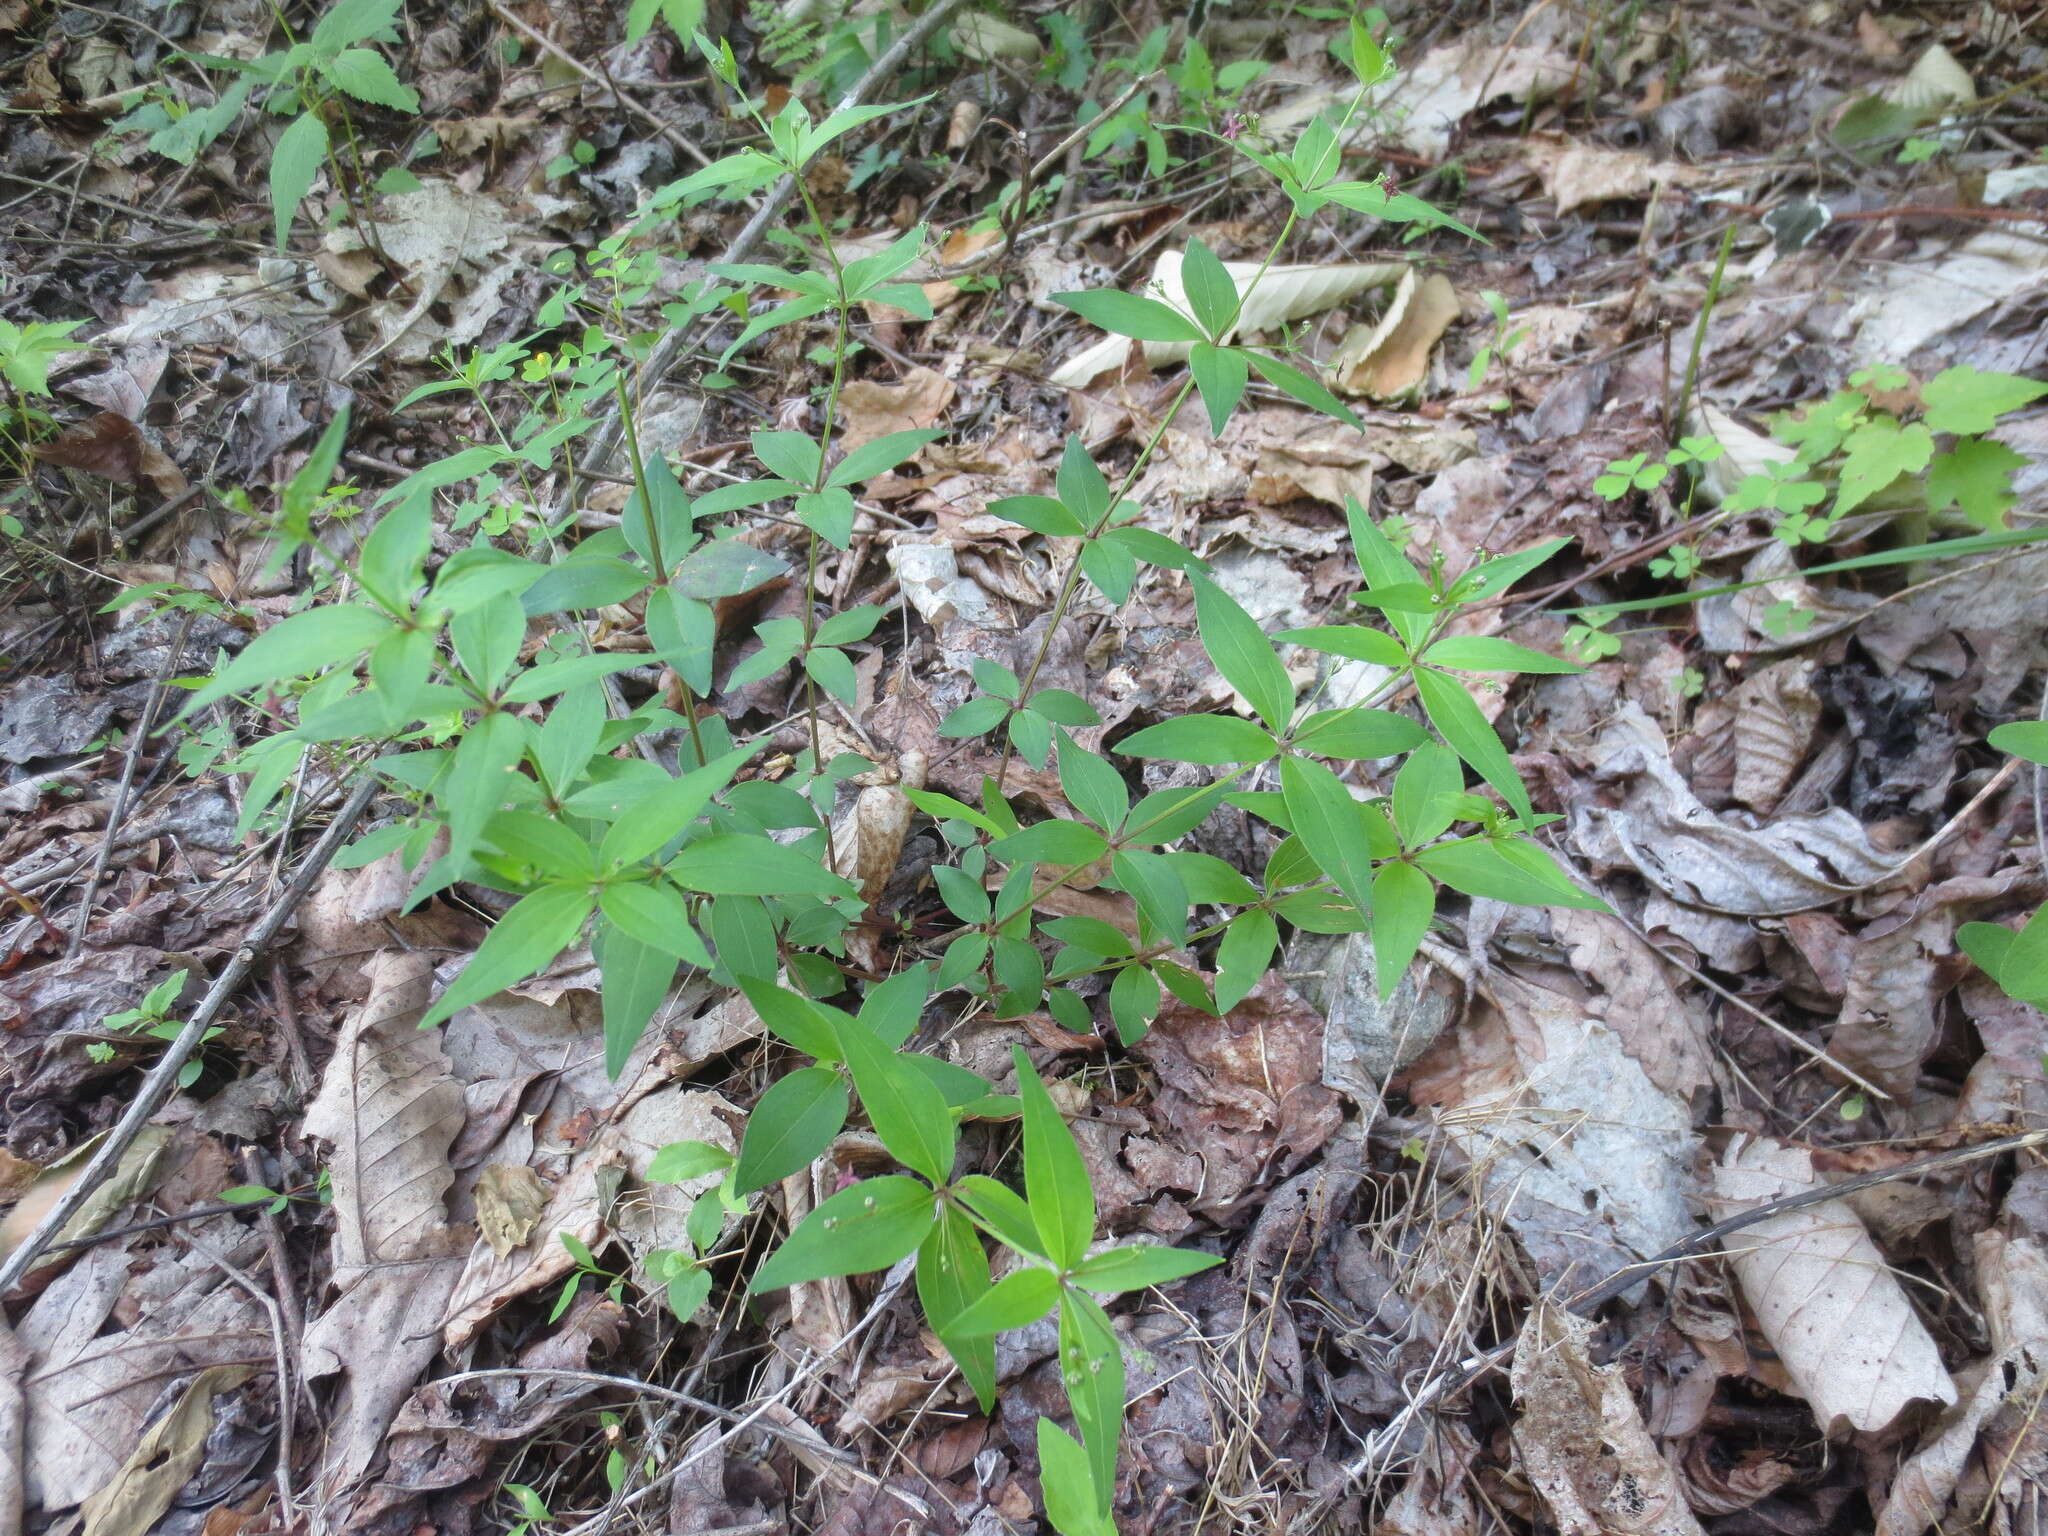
(111, 446)
(1777, 714)
(171, 1450)
(1392, 358)
(1824, 1296)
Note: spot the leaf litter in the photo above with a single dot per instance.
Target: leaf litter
(1784, 816)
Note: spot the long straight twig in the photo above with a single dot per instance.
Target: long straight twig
(156, 1087)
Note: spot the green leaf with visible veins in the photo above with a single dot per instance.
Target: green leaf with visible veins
(866, 1227)
(520, 944)
(1056, 1184)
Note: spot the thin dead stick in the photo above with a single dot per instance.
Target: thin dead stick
(605, 439)
(82, 924)
(156, 1087)
(1382, 1448)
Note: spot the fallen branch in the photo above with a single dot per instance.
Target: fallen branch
(156, 1087)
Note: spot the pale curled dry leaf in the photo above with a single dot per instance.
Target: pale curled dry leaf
(1660, 829)
(1582, 1441)
(1824, 1296)
(509, 1200)
(1286, 292)
(1777, 715)
(131, 1176)
(1392, 358)
(870, 409)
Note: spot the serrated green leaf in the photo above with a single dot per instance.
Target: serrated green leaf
(367, 75)
(295, 162)
(1965, 401)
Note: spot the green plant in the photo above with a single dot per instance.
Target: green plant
(533, 1510)
(309, 82)
(479, 689)
(1505, 339)
(26, 353)
(152, 1018)
(2018, 962)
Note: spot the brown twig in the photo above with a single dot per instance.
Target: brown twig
(157, 1086)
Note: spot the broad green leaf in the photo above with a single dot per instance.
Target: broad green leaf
(1166, 814)
(2023, 968)
(1426, 796)
(734, 864)
(790, 1127)
(1113, 569)
(811, 1027)
(367, 75)
(1290, 380)
(1221, 374)
(1208, 879)
(868, 1226)
(1384, 568)
(792, 455)
(1156, 549)
(1975, 476)
(1358, 734)
(1133, 1002)
(487, 640)
(655, 819)
(833, 671)
(1242, 653)
(1056, 1184)
(1051, 842)
(963, 894)
(975, 717)
(952, 1273)
(1327, 819)
(1089, 933)
(1063, 708)
(1212, 294)
(2023, 738)
(681, 1161)
(1068, 1484)
(893, 1008)
(1243, 956)
(1878, 453)
(1154, 883)
(907, 1110)
(635, 982)
(1479, 866)
(1127, 314)
(1488, 653)
(479, 781)
(563, 676)
(294, 164)
(1092, 1370)
(722, 568)
(1135, 1266)
(305, 642)
(1471, 735)
(872, 458)
(1003, 1210)
(1017, 1300)
(854, 624)
(942, 807)
(1966, 402)
(546, 844)
(1403, 900)
(594, 581)
(1092, 786)
(520, 944)
(1211, 740)
(352, 21)
(830, 514)
(656, 916)
(1041, 514)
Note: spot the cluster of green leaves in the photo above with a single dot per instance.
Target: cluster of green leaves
(152, 1019)
(477, 679)
(307, 82)
(26, 353)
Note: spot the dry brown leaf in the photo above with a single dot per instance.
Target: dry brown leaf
(1824, 1296)
(871, 410)
(1392, 358)
(1794, 864)
(1777, 715)
(389, 1109)
(113, 447)
(171, 1451)
(131, 1176)
(509, 1200)
(1582, 1441)
(1585, 175)
(1433, 94)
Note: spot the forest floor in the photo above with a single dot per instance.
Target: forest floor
(1463, 1287)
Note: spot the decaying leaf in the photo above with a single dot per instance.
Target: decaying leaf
(1824, 1296)
(389, 1109)
(1388, 360)
(112, 446)
(131, 1176)
(509, 1200)
(1777, 714)
(171, 1451)
(1582, 1440)
(871, 409)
